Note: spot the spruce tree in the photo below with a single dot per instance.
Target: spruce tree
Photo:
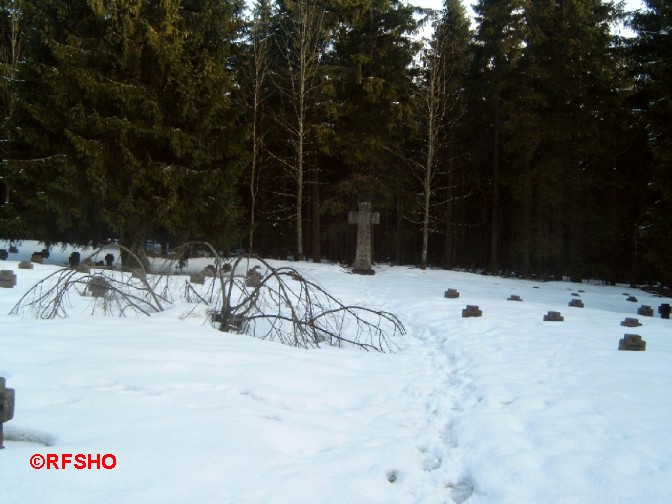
(130, 108)
(652, 50)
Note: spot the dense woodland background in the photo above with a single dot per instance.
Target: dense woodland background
(536, 141)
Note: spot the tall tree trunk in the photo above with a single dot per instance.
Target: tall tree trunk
(495, 215)
(317, 248)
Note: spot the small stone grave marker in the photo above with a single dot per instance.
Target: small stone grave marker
(13, 249)
(576, 294)
(664, 310)
(74, 259)
(3, 254)
(451, 294)
(472, 311)
(197, 278)
(631, 322)
(7, 397)
(645, 311)
(253, 278)
(209, 271)
(632, 299)
(576, 303)
(7, 279)
(139, 273)
(44, 253)
(632, 342)
(514, 297)
(226, 268)
(98, 286)
(109, 260)
(25, 265)
(37, 257)
(553, 316)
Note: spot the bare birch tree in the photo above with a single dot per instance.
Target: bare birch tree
(302, 44)
(258, 74)
(11, 47)
(441, 108)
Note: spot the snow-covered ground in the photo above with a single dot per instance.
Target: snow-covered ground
(504, 408)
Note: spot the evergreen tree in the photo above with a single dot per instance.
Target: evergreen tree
(564, 144)
(653, 54)
(127, 111)
(498, 52)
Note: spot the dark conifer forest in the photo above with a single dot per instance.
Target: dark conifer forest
(535, 140)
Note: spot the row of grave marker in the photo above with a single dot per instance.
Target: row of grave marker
(632, 342)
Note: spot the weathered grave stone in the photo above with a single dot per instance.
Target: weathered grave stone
(226, 268)
(514, 297)
(632, 342)
(45, 253)
(632, 299)
(471, 311)
(253, 278)
(7, 398)
(553, 316)
(13, 249)
(74, 259)
(451, 294)
(664, 310)
(3, 254)
(631, 322)
(209, 271)
(364, 219)
(197, 278)
(109, 260)
(25, 265)
(7, 279)
(139, 273)
(576, 303)
(645, 311)
(37, 258)
(98, 286)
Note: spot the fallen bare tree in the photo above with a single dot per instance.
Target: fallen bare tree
(246, 295)
(112, 291)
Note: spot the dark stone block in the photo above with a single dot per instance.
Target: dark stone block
(553, 316)
(664, 310)
(7, 279)
(645, 311)
(631, 322)
(576, 303)
(74, 259)
(632, 342)
(451, 294)
(3, 254)
(98, 286)
(37, 257)
(471, 311)
(514, 297)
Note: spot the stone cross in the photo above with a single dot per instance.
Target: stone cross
(364, 219)
(6, 406)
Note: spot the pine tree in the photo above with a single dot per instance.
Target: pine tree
(652, 51)
(497, 57)
(129, 106)
(563, 147)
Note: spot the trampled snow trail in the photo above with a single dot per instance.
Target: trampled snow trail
(436, 383)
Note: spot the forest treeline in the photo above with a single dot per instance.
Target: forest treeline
(535, 141)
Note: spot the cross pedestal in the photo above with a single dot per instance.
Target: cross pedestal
(364, 218)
